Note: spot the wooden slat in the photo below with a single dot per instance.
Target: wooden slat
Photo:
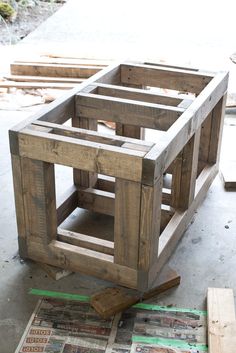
(150, 224)
(62, 60)
(94, 136)
(54, 70)
(138, 94)
(34, 85)
(27, 78)
(164, 77)
(120, 110)
(88, 262)
(221, 320)
(105, 183)
(126, 228)
(85, 241)
(89, 156)
(182, 130)
(96, 200)
(67, 204)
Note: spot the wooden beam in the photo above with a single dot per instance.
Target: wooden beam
(120, 110)
(67, 204)
(96, 201)
(54, 70)
(88, 156)
(27, 78)
(86, 241)
(164, 77)
(221, 320)
(138, 94)
(34, 85)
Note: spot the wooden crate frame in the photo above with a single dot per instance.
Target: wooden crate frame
(149, 217)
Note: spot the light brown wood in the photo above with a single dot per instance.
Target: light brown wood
(126, 228)
(163, 77)
(96, 200)
(221, 320)
(55, 273)
(121, 110)
(86, 241)
(54, 70)
(26, 78)
(67, 204)
(35, 85)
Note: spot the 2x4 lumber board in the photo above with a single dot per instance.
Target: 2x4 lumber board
(89, 156)
(39, 191)
(26, 78)
(120, 110)
(216, 131)
(138, 94)
(19, 204)
(105, 183)
(187, 172)
(181, 219)
(95, 136)
(158, 159)
(54, 70)
(67, 204)
(63, 61)
(89, 262)
(34, 85)
(221, 320)
(126, 227)
(96, 200)
(150, 223)
(170, 78)
(62, 108)
(85, 241)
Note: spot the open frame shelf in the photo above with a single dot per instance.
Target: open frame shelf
(151, 188)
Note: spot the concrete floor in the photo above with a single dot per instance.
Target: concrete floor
(206, 255)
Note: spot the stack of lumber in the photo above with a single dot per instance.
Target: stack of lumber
(49, 72)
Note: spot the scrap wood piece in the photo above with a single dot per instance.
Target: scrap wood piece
(221, 320)
(55, 273)
(34, 85)
(228, 173)
(113, 300)
(26, 78)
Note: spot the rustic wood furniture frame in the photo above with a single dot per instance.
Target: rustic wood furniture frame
(120, 175)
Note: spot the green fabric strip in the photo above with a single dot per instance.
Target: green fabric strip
(165, 308)
(169, 343)
(59, 295)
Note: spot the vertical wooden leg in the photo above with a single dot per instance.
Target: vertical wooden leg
(19, 204)
(187, 173)
(216, 131)
(127, 213)
(40, 200)
(150, 224)
(81, 177)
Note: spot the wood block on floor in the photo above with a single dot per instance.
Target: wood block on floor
(110, 301)
(54, 272)
(228, 173)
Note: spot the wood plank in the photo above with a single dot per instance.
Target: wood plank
(53, 70)
(67, 204)
(62, 60)
(39, 195)
(34, 85)
(95, 136)
(126, 228)
(120, 110)
(110, 301)
(164, 77)
(27, 78)
(96, 200)
(89, 156)
(228, 173)
(139, 94)
(19, 204)
(86, 241)
(161, 156)
(85, 261)
(105, 183)
(221, 320)
(150, 224)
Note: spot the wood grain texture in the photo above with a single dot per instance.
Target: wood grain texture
(126, 228)
(221, 320)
